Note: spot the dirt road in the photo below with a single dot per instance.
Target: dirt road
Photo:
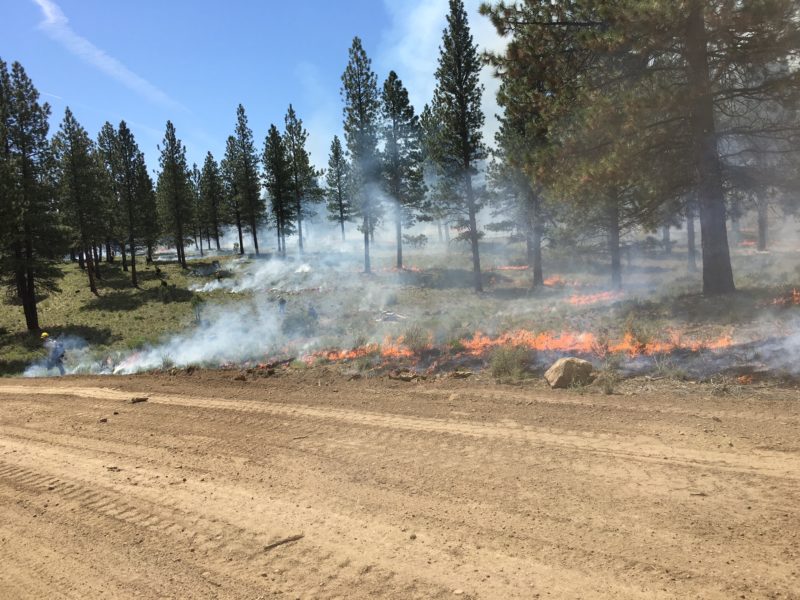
(311, 486)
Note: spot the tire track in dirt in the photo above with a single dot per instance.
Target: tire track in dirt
(350, 445)
(763, 462)
(229, 552)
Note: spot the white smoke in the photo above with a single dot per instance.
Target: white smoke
(227, 336)
(75, 351)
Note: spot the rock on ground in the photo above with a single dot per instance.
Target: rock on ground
(569, 371)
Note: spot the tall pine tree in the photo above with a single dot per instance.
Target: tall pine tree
(79, 186)
(337, 189)
(174, 191)
(457, 108)
(212, 195)
(31, 239)
(245, 174)
(402, 158)
(306, 190)
(361, 113)
(233, 203)
(279, 183)
(122, 158)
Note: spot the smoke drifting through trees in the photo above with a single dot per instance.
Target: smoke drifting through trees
(616, 117)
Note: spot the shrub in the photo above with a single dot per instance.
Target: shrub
(510, 363)
(416, 339)
(608, 379)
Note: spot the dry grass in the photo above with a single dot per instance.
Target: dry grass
(120, 317)
(510, 363)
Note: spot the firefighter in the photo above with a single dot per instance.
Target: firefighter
(55, 353)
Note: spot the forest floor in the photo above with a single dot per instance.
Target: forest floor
(310, 484)
(430, 300)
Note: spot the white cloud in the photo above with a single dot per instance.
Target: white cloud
(323, 117)
(411, 48)
(56, 25)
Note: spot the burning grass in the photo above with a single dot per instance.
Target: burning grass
(422, 321)
(789, 299)
(601, 297)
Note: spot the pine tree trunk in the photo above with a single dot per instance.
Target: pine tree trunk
(717, 269)
(97, 257)
(473, 233)
(90, 269)
(439, 230)
(109, 253)
(299, 223)
(763, 224)
(535, 238)
(613, 247)
(72, 256)
(134, 278)
(666, 240)
(446, 228)
(398, 224)
(216, 230)
(179, 244)
(124, 253)
(341, 215)
(239, 228)
(28, 308)
(367, 266)
(255, 234)
(736, 230)
(81, 259)
(690, 235)
(29, 301)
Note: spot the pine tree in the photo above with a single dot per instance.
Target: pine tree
(361, 106)
(245, 173)
(279, 183)
(337, 186)
(304, 177)
(520, 136)
(198, 214)
(148, 221)
(212, 195)
(122, 156)
(79, 188)
(174, 191)
(32, 239)
(233, 206)
(675, 81)
(457, 108)
(437, 206)
(402, 158)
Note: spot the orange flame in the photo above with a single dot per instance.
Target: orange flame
(564, 342)
(585, 300)
(588, 343)
(512, 268)
(792, 299)
(555, 280)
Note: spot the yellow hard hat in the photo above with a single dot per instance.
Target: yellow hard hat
(45, 335)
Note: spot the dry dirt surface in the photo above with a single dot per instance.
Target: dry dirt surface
(313, 486)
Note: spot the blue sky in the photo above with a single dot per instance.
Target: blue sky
(194, 61)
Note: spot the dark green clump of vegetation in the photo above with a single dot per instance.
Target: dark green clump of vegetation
(510, 363)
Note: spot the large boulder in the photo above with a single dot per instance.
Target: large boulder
(569, 371)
